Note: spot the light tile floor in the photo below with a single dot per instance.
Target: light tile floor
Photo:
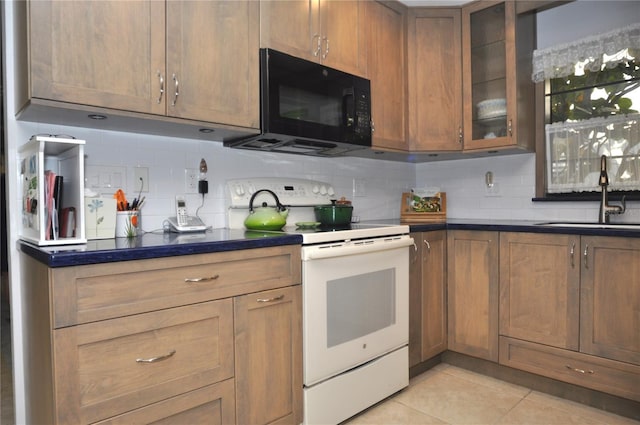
(450, 395)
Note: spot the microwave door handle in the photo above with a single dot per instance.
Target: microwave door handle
(349, 107)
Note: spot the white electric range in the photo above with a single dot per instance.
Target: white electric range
(355, 291)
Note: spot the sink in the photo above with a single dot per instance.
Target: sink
(622, 226)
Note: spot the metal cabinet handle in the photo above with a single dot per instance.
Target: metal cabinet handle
(510, 128)
(200, 279)
(573, 251)
(586, 256)
(270, 300)
(460, 135)
(326, 50)
(161, 78)
(177, 93)
(316, 52)
(157, 359)
(373, 127)
(426, 242)
(589, 372)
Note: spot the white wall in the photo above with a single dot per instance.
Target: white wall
(515, 175)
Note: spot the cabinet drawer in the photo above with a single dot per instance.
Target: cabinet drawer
(212, 405)
(609, 376)
(95, 292)
(107, 368)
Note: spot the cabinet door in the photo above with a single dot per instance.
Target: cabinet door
(213, 61)
(268, 331)
(434, 294)
(539, 288)
(610, 298)
(435, 79)
(472, 293)
(292, 27)
(415, 300)
(343, 26)
(498, 92)
(386, 70)
(100, 53)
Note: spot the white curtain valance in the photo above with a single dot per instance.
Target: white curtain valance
(560, 60)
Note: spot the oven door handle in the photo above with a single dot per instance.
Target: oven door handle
(316, 252)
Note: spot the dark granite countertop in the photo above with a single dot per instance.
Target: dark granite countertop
(152, 245)
(156, 245)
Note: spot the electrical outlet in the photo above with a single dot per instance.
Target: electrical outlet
(190, 180)
(141, 179)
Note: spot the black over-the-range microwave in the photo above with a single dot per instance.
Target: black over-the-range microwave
(308, 108)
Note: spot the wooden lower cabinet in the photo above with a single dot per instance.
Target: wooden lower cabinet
(428, 296)
(610, 298)
(609, 376)
(212, 405)
(268, 355)
(197, 339)
(472, 293)
(539, 288)
(569, 309)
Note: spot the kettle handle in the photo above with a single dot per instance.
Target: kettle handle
(278, 204)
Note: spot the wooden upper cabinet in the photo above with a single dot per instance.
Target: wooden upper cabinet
(213, 61)
(195, 60)
(610, 298)
(539, 288)
(387, 72)
(497, 49)
(332, 32)
(99, 53)
(434, 67)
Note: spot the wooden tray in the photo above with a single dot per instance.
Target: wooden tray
(407, 215)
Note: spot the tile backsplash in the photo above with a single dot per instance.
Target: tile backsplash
(380, 183)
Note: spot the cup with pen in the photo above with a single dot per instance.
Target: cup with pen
(127, 216)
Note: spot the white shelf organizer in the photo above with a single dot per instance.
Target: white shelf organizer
(64, 157)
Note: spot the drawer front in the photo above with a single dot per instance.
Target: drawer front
(86, 294)
(609, 376)
(115, 366)
(212, 405)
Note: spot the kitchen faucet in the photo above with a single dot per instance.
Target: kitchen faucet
(605, 209)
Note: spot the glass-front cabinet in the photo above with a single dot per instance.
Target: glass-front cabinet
(498, 92)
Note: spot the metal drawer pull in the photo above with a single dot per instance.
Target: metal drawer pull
(200, 279)
(161, 86)
(270, 300)
(177, 93)
(573, 251)
(157, 359)
(586, 256)
(590, 372)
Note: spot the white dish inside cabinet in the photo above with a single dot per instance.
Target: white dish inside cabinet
(52, 191)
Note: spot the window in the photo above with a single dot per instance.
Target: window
(592, 98)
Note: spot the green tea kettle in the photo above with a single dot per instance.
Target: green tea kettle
(264, 217)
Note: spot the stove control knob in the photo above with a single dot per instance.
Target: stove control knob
(323, 190)
(315, 189)
(239, 190)
(331, 192)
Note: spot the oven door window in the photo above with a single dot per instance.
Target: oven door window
(360, 305)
